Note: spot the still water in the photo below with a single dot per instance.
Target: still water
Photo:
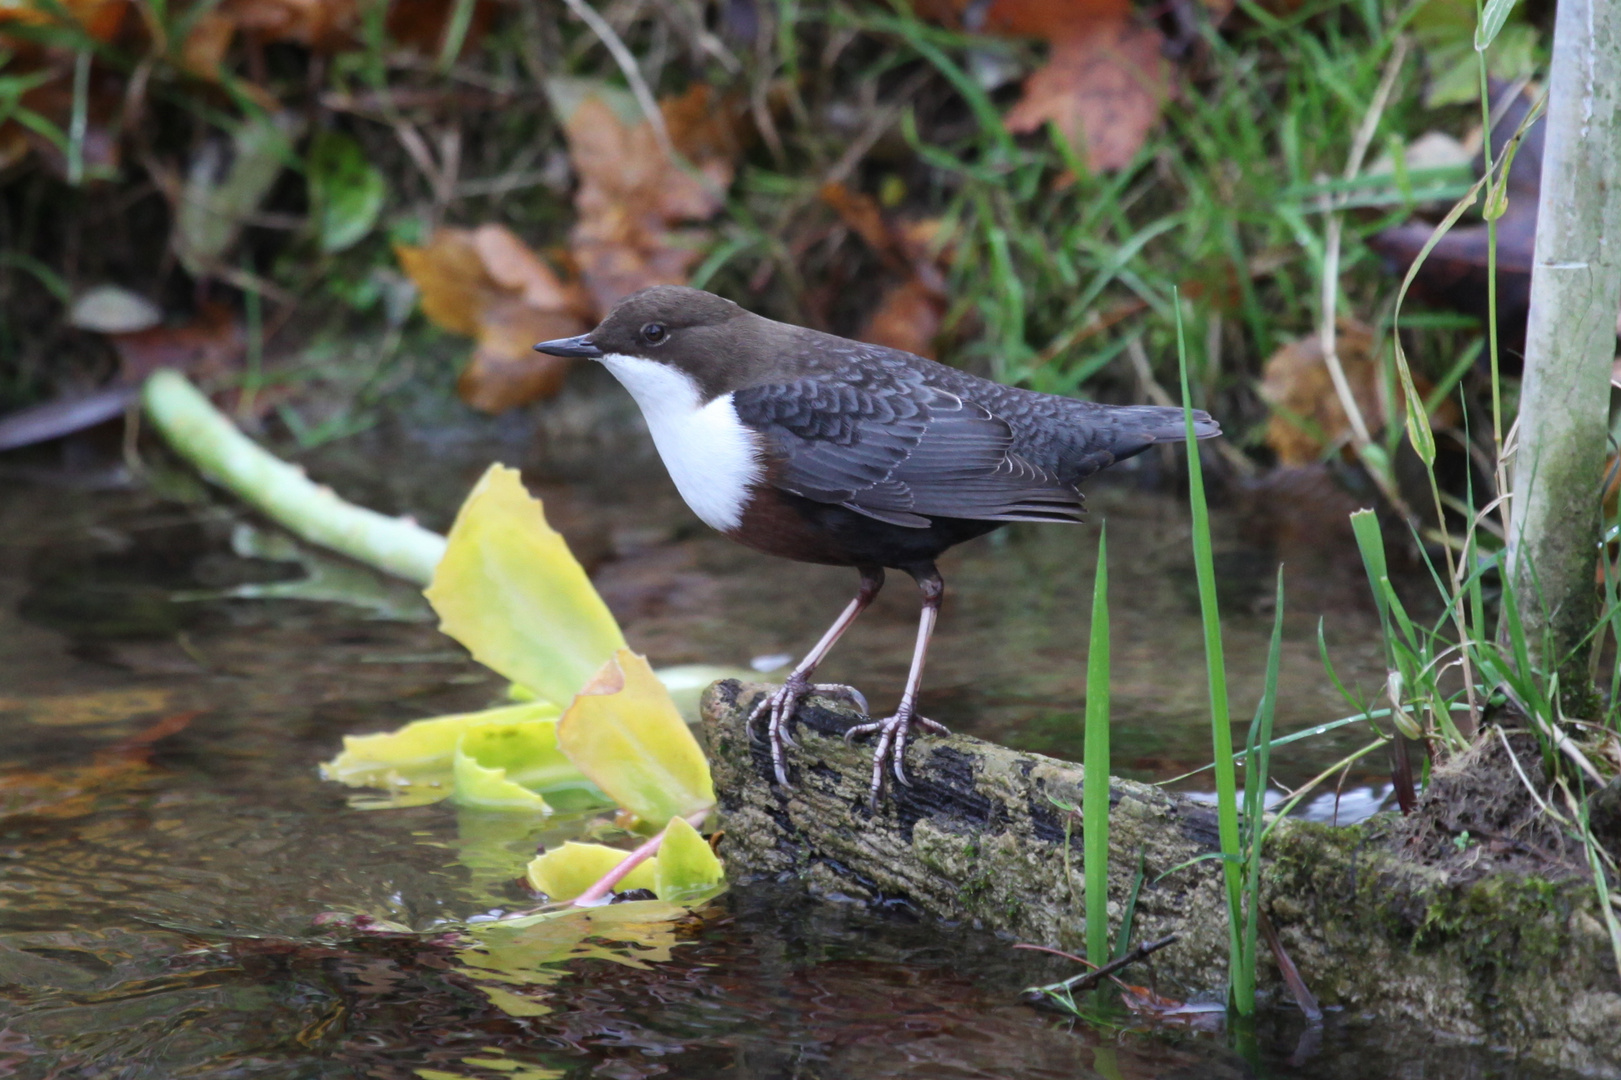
(172, 670)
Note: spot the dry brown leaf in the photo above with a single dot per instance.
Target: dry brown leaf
(421, 24)
(486, 284)
(910, 314)
(632, 197)
(1307, 416)
(101, 19)
(210, 344)
(1104, 83)
(326, 25)
(908, 318)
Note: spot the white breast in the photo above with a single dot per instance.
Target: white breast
(712, 457)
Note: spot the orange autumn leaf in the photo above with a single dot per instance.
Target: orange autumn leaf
(633, 198)
(326, 25)
(1307, 416)
(1104, 83)
(101, 19)
(910, 313)
(487, 284)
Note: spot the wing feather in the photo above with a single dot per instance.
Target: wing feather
(900, 451)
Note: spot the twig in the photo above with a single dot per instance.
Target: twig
(1088, 979)
(1291, 974)
(1514, 759)
(1331, 249)
(633, 74)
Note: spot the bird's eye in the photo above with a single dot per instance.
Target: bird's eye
(654, 333)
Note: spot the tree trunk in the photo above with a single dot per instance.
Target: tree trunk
(1570, 343)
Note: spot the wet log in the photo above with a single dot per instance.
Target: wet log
(982, 837)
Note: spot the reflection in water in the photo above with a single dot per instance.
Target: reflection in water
(165, 845)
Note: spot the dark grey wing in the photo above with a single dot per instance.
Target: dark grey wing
(888, 446)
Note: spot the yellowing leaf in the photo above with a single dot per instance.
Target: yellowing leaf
(565, 872)
(480, 783)
(421, 746)
(510, 590)
(686, 867)
(625, 733)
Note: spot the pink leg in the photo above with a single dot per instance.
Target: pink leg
(781, 703)
(893, 731)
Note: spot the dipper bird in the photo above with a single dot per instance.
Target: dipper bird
(826, 450)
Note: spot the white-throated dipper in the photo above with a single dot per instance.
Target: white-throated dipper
(826, 450)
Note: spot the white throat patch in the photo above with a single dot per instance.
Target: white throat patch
(711, 456)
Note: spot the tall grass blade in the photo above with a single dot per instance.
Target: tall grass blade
(1095, 766)
(1242, 984)
(1256, 774)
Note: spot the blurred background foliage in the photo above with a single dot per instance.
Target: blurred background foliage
(312, 204)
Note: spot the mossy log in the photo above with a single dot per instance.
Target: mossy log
(980, 838)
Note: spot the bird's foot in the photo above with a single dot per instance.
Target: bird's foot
(779, 706)
(892, 734)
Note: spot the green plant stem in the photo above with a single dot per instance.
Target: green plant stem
(204, 437)
(1095, 779)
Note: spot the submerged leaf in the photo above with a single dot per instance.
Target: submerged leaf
(565, 872)
(624, 732)
(686, 867)
(420, 746)
(418, 763)
(510, 590)
(490, 758)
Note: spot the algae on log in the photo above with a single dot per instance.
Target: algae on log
(979, 837)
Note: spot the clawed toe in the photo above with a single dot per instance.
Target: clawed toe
(892, 734)
(779, 707)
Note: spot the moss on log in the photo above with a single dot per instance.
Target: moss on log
(980, 837)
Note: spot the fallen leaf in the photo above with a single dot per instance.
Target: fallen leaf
(91, 707)
(509, 589)
(73, 791)
(1104, 83)
(210, 344)
(113, 309)
(568, 870)
(910, 312)
(323, 25)
(101, 19)
(1307, 417)
(625, 733)
(421, 24)
(632, 197)
(485, 283)
(907, 318)
(686, 867)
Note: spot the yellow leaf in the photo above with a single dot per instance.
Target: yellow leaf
(565, 872)
(423, 746)
(510, 590)
(487, 786)
(625, 733)
(686, 867)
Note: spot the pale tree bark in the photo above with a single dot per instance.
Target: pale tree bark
(1570, 342)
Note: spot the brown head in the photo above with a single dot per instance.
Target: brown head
(719, 344)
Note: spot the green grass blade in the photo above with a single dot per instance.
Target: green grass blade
(1095, 766)
(1221, 731)
(1256, 775)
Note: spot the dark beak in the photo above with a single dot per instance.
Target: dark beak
(571, 346)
